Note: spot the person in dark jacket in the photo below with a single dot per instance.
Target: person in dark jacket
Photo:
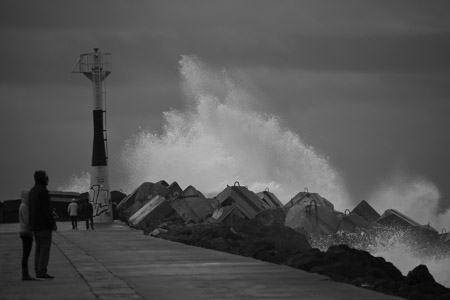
(88, 213)
(42, 223)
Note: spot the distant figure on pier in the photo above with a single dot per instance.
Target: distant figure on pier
(41, 223)
(25, 234)
(55, 214)
(89, 215)
(72, 209)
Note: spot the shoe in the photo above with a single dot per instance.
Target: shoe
(28, 277)
(46, 276)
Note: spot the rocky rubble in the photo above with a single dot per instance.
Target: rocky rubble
(236, 224)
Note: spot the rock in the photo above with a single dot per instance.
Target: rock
(157, 231)
(216, 236)
(422, 284)
(274, 243)
(306, 260)
(419, 275)
(218, 243)
(271, 216)
(344, 263)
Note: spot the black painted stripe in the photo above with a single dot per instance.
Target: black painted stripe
(98, 150)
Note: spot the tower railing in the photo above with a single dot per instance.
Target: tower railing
(86, 63)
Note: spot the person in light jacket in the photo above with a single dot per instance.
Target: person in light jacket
(72, 209)
(25, 234)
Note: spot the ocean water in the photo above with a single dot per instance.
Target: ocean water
(406, 258)
(78, 183)
(418, 198)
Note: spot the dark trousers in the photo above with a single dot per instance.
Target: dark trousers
(27, 244)
(43, 240)
(91, 220)
(74, 222)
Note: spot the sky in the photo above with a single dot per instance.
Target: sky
(364, 83)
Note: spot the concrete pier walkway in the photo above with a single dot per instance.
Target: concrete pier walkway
(116, 262)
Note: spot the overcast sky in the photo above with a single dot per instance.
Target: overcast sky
(366, 83)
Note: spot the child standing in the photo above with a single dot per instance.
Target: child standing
(25, 234)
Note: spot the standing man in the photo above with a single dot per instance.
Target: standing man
(72, 209)
(41, 223)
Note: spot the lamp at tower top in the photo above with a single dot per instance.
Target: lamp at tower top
(94, 62)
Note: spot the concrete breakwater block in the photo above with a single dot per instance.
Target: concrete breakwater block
(269, 200)
(142, 195)
(353, 223)
(394, 218)
(312, 220)
(364, 210)
(306, 198)
(192, 206)
(246, 202)
(228, 215)
(445, 237)
(310, 213)
(149, 216)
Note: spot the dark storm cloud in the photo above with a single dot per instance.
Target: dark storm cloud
(150, 37)
(365, 54)
(94, 16)
(305, 89)
(309, 35)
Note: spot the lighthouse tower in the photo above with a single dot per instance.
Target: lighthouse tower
(96, 66)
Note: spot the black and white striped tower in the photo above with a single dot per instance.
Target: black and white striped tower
(96, 66)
